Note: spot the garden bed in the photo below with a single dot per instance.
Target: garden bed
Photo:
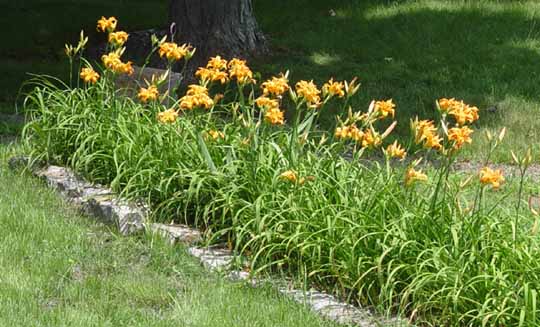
(431, 246)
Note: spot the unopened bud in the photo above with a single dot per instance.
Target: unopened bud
(502, 134)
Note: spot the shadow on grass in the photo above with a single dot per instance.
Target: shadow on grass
(413, 52)
(34, 33)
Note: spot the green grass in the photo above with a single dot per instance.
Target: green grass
(60, 269)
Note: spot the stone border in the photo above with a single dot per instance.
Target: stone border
(99, 201)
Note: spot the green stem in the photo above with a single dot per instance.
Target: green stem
(70, 72)
(520, 191)
(294, 138)
(522, 171)
(443, 177)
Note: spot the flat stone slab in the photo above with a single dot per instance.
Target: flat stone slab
(63, 180)
(331, 308)
(213, 258)
(95, 200)
(177, 233)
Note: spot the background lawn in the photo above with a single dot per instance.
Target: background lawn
(485, 52)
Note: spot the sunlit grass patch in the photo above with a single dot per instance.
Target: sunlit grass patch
(324, 59)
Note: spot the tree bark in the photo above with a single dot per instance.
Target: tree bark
(217, 27)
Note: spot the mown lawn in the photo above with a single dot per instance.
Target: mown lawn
(485, 52)
(60, 269)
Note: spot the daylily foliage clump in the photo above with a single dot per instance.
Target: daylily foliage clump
(355, 210)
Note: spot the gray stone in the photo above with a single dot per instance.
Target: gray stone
(177, 233)
(90, 191)
(213, 258)
(129, 217)
(333, 309)
(100, 207)
(239, 275)
(63, 180)
(95, 200)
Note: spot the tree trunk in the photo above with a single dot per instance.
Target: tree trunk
(217, 27)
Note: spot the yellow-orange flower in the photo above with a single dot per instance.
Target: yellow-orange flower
(174, 52)
(412, 176)
(196, 97)
(148, 94)
(395, 150)
(204, 74)
(215, 71)
(213, 75)
(275, 86)
(112, 61)
(107, 24)
(422, 127)
(433, 141)
(220, 76)
(460, 136)
(88, 75)
(490, 176)
(349, 132)
(238, 69)
(263, 102)
(426, 132)
(333, 88)
(189, 102)
(371, 139)
(445, 105)
(126, 68)
(342, 132)
(355, 134)
(216, 134)
(118, 38)
(308, 91)
(385, 108)
(289, 175)
(217, 63)
(465, 114)
(195, 89)
(462, 112)
(274, 116)
(168, 116)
